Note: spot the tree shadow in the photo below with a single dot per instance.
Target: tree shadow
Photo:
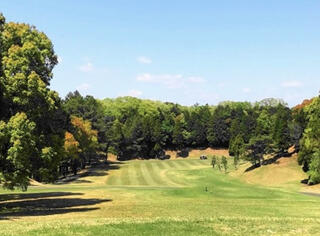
(270, 161)
(100, 169)
(19, 196)
(40, 204)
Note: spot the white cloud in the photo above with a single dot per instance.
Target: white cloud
(246, 90)
(83, 88)
(196, 79)
(291, 84)
(134, 93)
(169, 80)
(144, 60)
(86, 67)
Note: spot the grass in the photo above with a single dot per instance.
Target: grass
(158, 197)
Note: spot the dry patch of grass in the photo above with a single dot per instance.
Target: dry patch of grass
(285, 171)
(196, 153)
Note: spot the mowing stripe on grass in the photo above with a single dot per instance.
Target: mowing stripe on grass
(186, 163)
(183, 164)
(168, 181)
(147, 175)
(114, 177)
(132, 175)
(196, 162)
(124, 177)
(178, 164)
(176, 177)
(170, 164)
(154, 173)
(110, 180)
(167, 165)
(162, 165)
(140, 177)
(165, 176)
(172, 174)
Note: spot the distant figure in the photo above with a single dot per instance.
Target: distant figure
(203, 157)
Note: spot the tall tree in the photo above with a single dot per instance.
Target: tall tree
(310, 142)
(27, 59)
(281, 130)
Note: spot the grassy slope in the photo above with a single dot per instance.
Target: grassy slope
(159, 197)
(285, 172)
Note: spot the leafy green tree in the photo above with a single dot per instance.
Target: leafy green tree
(87, 139)
(214, 161)
(197, 125)
(219, 127)
(237, 148)
(17, 144)
(256, 148)
(310, 142)
(180, 133)
(314, 168)
(281, 130)
(224, 162)
(27, 59)
(90, 109)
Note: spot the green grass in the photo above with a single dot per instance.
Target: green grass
(158, 197)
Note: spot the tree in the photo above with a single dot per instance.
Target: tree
(224, 162)
(87, 139)
(214, 161)
(310, 142)
(237, 148)
(179, 134)
(197, 125)
(281, 131)
(27, 59)
(314, 168)
(256, 148)
(219, 127)
(17, 144)
(90, 109)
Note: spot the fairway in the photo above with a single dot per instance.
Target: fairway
(154, 173)
(146, 197)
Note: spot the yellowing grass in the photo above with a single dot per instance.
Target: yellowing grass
(284, 172)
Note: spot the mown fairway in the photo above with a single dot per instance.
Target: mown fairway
(158, 197)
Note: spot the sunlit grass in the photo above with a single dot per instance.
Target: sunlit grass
(171, 197)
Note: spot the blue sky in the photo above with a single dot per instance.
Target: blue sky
(181, 51)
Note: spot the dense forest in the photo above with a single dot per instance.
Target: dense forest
(44, 137)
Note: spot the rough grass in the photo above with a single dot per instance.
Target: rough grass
(158, 197)
(285, 172)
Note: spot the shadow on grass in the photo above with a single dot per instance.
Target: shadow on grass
(99, 169)
(273, 160)
(40, 204)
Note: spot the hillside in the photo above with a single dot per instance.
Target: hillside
(284, 172)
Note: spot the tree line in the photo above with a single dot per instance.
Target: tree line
(44, 137)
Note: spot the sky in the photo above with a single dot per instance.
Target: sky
(178, 50)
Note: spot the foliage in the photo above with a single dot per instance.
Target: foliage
(17, 144)
(310, 142)
(27, 60)
(314, 168)
(86, 137)
(224, 163)
(257, 147)
(214, 161)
